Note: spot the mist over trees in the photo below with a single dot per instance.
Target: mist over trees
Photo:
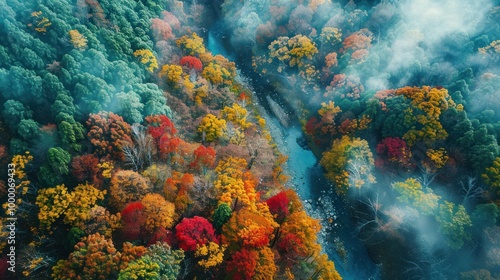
(398, 99)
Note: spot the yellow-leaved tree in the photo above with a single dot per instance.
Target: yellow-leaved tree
(411, 192)
(171, 73)
(127, 186)
(78, 40)
(212, 128)
(492, 174)
(234, 184)
(148, 59)
(75, 206)
(349, 163)
(237, 115)
(85, 197)
(211, 254)
(192, 44)
(292, 51)
(427, 106)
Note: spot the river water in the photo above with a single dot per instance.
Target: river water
(338, 237)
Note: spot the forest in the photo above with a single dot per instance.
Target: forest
(140, 139)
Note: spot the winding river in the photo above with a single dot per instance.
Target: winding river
(338, 236)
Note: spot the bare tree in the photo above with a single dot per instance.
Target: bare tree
(471, 190)
(426, 176)
(374, 224)
(428, 263)
(360, 172)
(35, 262)
(186, 269)
(202, 192)
(139, 153)
(383, 223)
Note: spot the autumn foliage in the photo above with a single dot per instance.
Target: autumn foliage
(158, 212)
(393, 151)
(191, 62)
(133, 220)
(349, 164)
(127, 186)
(234, 186)
(84, 167)
(248, 228)
(147, 58)
(159, 126)
(358, 40)
(193, 232)
(203, 158)
(192, 44)
(108, 132)
(94, 258)
(77, 39)
(212, 128)
(278, 205)
(429, 103)
(178, 165)
(161, 29)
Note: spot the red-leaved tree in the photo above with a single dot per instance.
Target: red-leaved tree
(168, 144)
(194, 231)
(291, 249)
(133, 220)
(160, 125)
(278, 205)
(393, 152)
(191, 62)
(84, 167)
(242, 264)
(203, 158)
(162, 235)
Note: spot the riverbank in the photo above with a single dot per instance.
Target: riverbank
(338, 234)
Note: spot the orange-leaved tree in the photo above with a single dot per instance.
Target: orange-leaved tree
(158, 212)
(127, 186)
(248, 229)
(250, 263)
(108, 132)
(95, 257)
